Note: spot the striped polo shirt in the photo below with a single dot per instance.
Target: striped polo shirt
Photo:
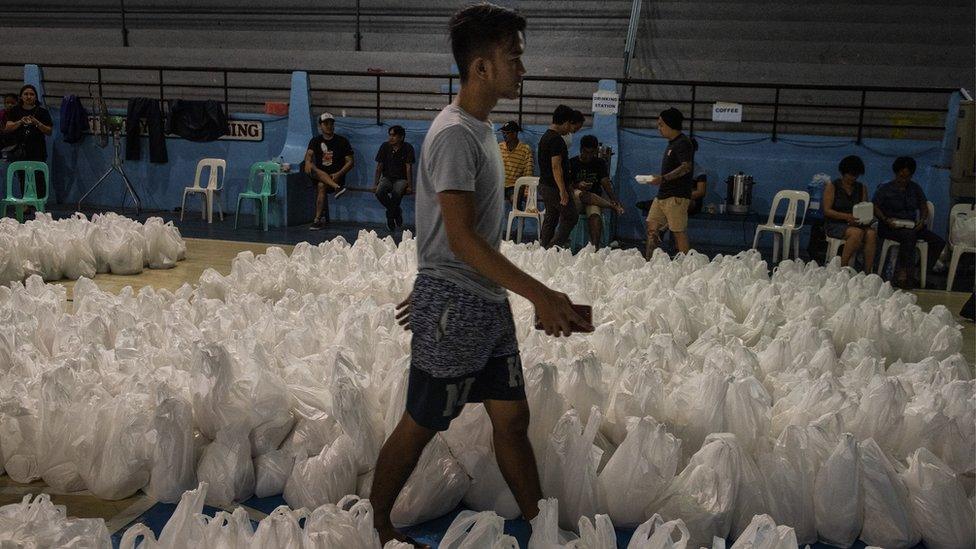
(518, 163)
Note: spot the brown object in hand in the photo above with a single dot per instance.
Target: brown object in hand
(584, 311)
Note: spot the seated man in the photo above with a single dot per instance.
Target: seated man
(327, 161)
(590, 178)
(394, 175)
(517, 158)
(897, 203)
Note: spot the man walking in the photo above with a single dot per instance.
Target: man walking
(464, 347)
(554, 187)
(670, 207)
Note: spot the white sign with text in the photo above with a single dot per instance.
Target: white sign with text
(238, 130)
(606, 102)
(726, 112)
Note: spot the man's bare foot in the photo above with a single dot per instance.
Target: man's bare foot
(390, 533)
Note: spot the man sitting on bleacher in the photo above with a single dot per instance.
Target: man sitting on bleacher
(327, 161)
(590, 178)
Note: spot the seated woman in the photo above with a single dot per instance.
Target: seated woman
(839, 199)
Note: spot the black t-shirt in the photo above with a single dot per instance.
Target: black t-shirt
(330, 154)
(551, 145)
(35, 148)
(591, 172)
(395, 162)
(680, 149)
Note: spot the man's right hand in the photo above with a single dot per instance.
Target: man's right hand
(563, 198)
(555, 312)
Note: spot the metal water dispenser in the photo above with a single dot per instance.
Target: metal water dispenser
(738, 197)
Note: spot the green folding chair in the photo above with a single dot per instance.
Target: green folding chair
(29, 198)
(262, 175)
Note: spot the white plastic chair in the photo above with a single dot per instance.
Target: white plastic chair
(218, 168)
(921, 245)
(531, 210)
(965, 210)
(789, 226)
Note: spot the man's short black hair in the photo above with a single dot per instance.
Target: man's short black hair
(589, 142)
(578, 117)
(903, 162)
(10, 96)
(398, 130)
(476, 30)
(562, 114)
(851, 165)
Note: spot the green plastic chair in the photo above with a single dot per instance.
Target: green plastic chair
(580, 237)
(266, 173)
(30, 198)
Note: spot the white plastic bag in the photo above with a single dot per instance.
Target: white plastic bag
(704, 494)
(657, 534)
(279, 530)
(838, 498)
(569, 470)
(173, 464)
(163, 243)
(940, 509)
(271, 472)
(78, 259)
(887, 513)
(114, 455)
(762, 533)
(348, 524)
(471, 530)
(546, 533)
(600, 535)
(325, 478)
(435, 487)
(36, 522)
(226, 467)
(639, 471)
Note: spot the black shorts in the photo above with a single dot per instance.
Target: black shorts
(463, 350)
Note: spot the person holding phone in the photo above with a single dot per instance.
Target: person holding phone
(30, 124)
(464, 348)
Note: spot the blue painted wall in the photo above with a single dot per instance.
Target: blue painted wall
(789, 163)
(78, 166)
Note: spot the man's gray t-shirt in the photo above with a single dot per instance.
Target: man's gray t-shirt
(459, 154)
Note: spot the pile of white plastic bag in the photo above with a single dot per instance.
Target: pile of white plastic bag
(711, 393)
(76, 247)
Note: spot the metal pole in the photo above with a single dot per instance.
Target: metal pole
(691, 128)
(359, 36)
(100, 94)
(635, 10)
(521, 93)
(125, 30)
(226, 97)
(860, 117)
(161, 95)
(775, 113)
(450, 88)
(377, 100)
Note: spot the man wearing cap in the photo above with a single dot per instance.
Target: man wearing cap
(327, 161)
(670, 207)
(517, 157)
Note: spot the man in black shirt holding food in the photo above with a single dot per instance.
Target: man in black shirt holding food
(561, 213)
(327, 161)
(670, 207)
